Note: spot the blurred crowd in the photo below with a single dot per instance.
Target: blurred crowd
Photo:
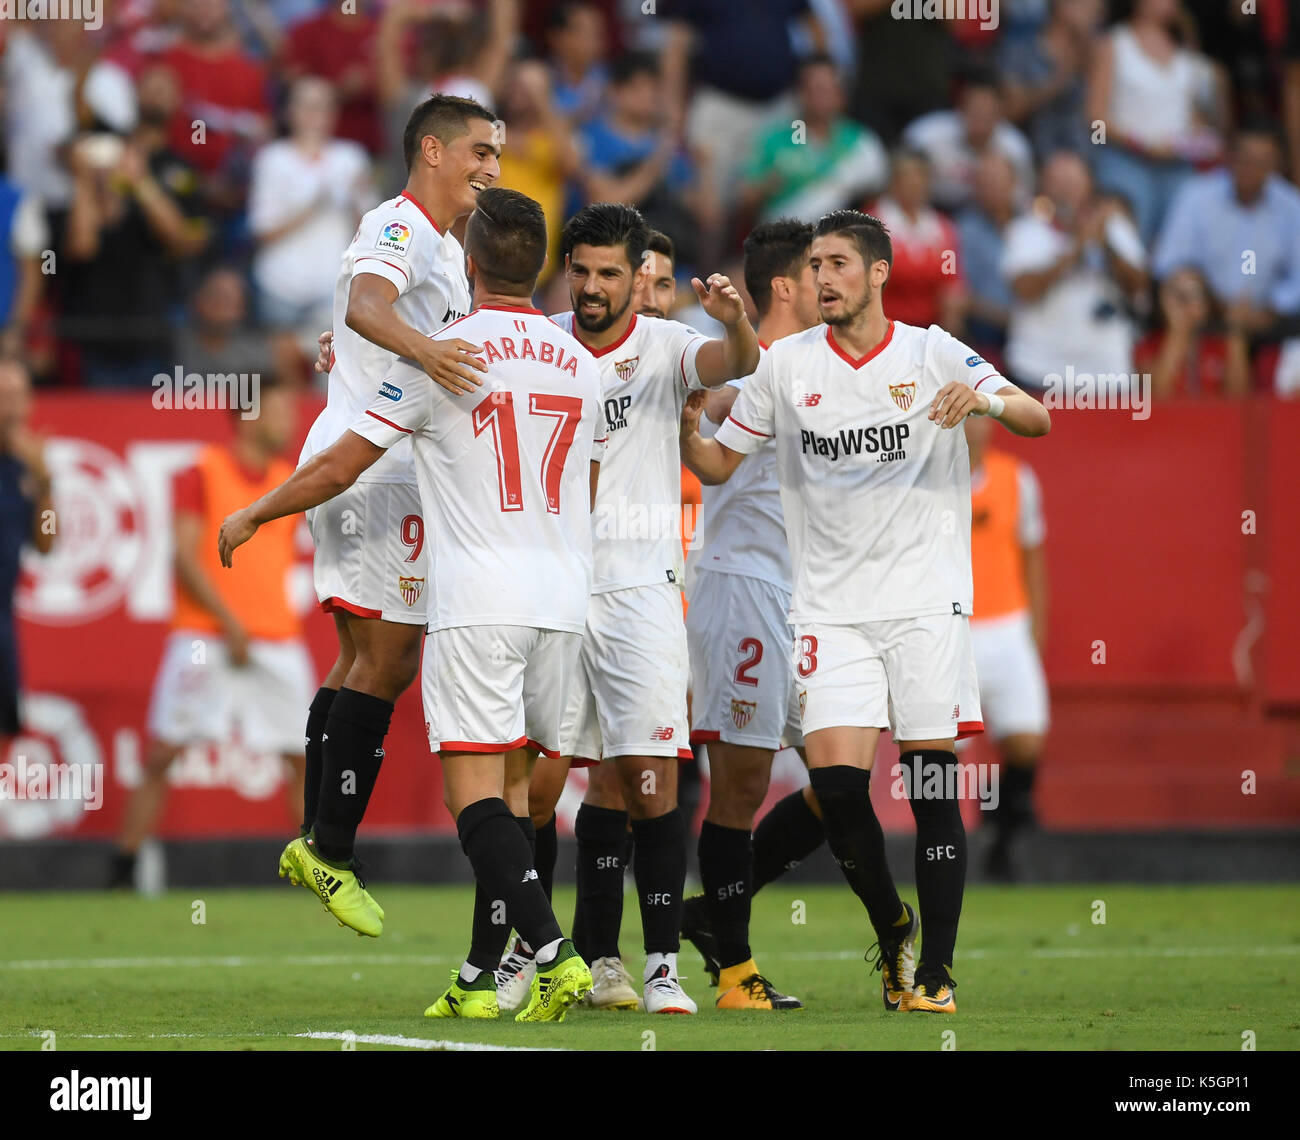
(1107, 190)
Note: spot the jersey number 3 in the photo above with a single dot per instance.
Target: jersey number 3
(497, 413)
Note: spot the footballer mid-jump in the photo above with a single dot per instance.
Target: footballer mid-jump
(875, 488)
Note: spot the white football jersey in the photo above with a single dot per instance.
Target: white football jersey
(399, 242)
(741, 529)
(876, 495)
(636, 527)
(504, 473)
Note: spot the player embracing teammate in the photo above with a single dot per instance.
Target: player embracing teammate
(875, 489)
(507, 476)
(402, 278)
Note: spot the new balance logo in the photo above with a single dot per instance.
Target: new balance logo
(529, 874)
(808, 400)
(663, 732)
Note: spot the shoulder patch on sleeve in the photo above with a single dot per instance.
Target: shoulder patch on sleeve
(390, 391)
(974, 361)
(395, 237)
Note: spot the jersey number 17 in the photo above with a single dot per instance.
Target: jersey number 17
(497, 413)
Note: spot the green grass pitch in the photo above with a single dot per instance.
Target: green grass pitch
(1170, 968)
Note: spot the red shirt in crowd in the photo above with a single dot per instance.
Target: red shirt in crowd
(218, 89)
(926, 265)
(330, 48)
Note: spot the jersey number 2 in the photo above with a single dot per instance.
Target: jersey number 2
(497, 413)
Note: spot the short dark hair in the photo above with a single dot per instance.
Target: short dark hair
(774, 249)
(563, 12)
(816, 59)
(867, 233)
(506, 237)
(604, 224)
(660, 243)
(1259, 126)
(446, 117)
(631, 64)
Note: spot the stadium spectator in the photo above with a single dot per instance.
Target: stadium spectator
(1072, 262)
(54, 89)
(576, 45)
(541, 156)
(926, 284)
(338, 43)
(631, 155)
(306, 195)
(981, 230)
(1240, 228)
(820, 162)
(216, 339)
(26, 510)
(953, 141)
(26, 237)
(136, 205)
(742, 69)
(905, 68)
(1187, 357)
(1044, 77)
(234, 666)
(456, 49)
(1162, 106)
(223, 89)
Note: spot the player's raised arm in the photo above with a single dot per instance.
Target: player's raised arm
(335, 469)
(706, 459)
(736, 353)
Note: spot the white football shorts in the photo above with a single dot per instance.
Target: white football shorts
(742, 677)
(199, 696)
(1013, 687)
(915, 676)
(371, 553)
(493, 688)
(629, 695)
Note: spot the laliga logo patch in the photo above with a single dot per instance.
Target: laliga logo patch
(391, 391)
(395, 237)
(623, 369)
(902, 394)
(410, 589)
(742, 712)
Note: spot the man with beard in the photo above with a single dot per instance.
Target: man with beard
(629, 705)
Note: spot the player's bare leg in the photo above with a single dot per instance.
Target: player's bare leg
(1015, 807)
(659, 832)
(142, 810)
(385, 662)
(929, 769)
(839, 765)
(475, 786)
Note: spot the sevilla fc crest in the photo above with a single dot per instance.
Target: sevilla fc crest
(803, 700)
(410, 589)
(902, 394)
(742, 712)
(623, 369)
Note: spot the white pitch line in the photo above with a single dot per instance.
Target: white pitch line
(315, 1035)
(200, 962)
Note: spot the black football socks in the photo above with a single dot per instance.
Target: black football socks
(784, 838)
(503, 867)
(352, 752)
(660, 875)
(940, 851)
(317, 714)
(727, 873)
(547, 847)
(855, 839)
(598, 915)
(490, 931)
